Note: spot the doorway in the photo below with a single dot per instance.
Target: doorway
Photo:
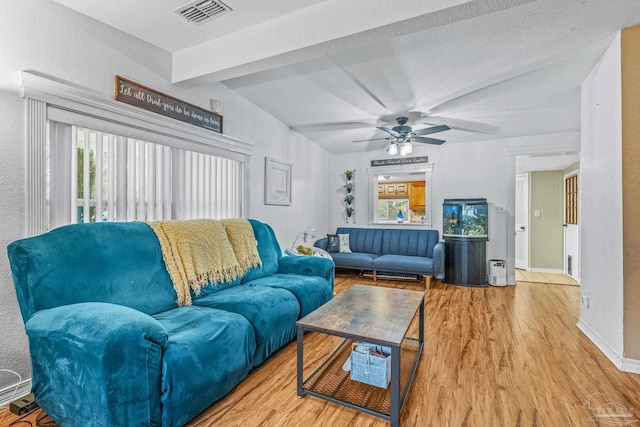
(539, 213)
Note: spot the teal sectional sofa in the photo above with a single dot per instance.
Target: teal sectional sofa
(109, 345)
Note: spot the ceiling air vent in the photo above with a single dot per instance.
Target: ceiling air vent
(199, 12)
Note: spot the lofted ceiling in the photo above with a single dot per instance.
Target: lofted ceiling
(335, 69)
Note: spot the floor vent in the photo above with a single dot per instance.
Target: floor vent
(199, 12)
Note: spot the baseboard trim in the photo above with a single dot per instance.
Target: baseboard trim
(16, 391)
(546, 270)
(630, 365)
(602, 345)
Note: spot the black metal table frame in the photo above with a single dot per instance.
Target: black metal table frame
(397, 401)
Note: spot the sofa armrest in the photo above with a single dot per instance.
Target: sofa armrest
(322, 243)
(307, 266)
(97, 361)
(438, 260)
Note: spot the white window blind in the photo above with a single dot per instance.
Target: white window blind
(207, 186)
(53, 107)
(97, 176)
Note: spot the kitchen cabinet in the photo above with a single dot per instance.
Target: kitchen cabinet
(394, 190)
(417, 195)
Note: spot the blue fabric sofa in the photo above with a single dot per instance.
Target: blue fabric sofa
(391, 250)
(109, 345)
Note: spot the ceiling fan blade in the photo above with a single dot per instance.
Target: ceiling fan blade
(459, 124)
(329, 126)
(389, 131)
(363, 87)
(371, 139)
(434, 129)
(428, 140)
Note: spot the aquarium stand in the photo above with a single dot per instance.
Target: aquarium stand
(465, 261)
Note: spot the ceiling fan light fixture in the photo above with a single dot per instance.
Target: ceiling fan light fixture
(406, 148)
(393, 148)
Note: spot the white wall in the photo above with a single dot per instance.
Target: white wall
(601, 269)
(468, 170)
(43, 36)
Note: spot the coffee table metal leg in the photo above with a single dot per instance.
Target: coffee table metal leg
(395, 386)
(300, 360)
(421, 327)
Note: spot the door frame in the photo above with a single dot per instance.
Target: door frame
(525, 176)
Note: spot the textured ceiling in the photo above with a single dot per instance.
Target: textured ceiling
(334, 69)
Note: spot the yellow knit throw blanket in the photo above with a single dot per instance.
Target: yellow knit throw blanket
(197, 253)
(243, 242)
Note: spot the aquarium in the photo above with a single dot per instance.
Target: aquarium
(466, 218)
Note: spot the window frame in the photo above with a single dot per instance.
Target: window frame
(48, 99)
(374, 172)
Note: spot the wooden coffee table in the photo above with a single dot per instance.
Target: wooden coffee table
(374, 315)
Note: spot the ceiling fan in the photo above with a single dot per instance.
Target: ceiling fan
(403, 136)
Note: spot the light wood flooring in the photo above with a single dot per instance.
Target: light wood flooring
(550, 278)
(496, 356)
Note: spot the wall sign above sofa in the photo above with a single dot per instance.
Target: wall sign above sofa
(151, 100)
(400, 161)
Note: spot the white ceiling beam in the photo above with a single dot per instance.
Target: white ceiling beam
(323, 29)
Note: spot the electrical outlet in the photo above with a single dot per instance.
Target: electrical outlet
(585, 300)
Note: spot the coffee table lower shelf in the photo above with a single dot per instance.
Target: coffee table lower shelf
(332, 383)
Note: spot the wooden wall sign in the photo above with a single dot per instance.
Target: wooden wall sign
(400, 161)
(151, 100)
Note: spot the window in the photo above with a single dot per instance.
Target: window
(571, 200)
(388, 209)
(96, 176)
(382, 209)
(178, 169)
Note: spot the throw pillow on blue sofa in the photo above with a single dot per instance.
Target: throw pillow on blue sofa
(333, 244)
(344, 243)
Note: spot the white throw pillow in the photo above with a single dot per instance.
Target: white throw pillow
(344, 243)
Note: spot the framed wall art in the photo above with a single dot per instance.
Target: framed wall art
(277, 182)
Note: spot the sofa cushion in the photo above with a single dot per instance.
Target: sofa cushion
(367, 240)
(215, 287)
(311, 291)
(409, 242)
(208, 353)
(114, 262)
(404, 263)
(363, 261)
(272, 312)
(268, 249)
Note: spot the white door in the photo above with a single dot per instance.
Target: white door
(522, 221)
(571, 227)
